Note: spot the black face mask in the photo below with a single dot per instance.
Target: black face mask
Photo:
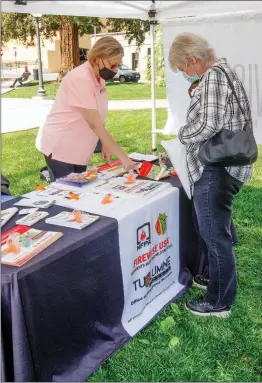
(106, 74)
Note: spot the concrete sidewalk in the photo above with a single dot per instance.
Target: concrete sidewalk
(23, 114)
(5, 85)
(12, 75)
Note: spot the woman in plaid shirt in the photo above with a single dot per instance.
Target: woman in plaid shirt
(213, 107)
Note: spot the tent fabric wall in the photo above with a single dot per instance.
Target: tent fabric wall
(135, 9)
(233, 36)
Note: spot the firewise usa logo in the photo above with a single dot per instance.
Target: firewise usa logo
(161, 223)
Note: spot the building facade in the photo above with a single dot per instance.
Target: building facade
(17, 55)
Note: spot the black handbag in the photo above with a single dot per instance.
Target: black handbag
(228, 148)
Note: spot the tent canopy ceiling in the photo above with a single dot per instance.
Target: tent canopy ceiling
(131, 9)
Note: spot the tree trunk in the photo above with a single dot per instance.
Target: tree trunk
(69, 45)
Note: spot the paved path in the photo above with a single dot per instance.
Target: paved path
(23, 114)
(5, 85)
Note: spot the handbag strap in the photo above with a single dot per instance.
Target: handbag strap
(232, 88)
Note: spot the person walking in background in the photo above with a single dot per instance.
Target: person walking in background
(23, 78)
(213, 107)
(76, 122)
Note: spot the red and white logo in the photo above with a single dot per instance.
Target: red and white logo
(143, 236)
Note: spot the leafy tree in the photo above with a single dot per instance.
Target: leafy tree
(21, 27)
(134, 29)
(159, 59)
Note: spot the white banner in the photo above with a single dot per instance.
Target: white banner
(149, 251)
(233, 36)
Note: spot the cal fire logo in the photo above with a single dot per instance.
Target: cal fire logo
(143, 236)
(160, 225)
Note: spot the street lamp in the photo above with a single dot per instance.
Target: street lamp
(41, 91)
(94, 26)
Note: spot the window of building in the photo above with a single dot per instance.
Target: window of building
(135, 60)
(83, 52)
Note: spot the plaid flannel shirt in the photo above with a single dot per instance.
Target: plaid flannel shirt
(213, 107)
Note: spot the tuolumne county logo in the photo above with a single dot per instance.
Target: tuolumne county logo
(161, 224)
(157, 272)
(143, 236)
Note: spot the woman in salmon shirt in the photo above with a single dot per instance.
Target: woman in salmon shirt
(76, 121)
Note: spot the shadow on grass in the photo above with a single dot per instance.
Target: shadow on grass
(35, 83)
(125, 83)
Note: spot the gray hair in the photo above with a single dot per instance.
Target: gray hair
(189, 44)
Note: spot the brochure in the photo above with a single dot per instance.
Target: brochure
(114, 171)
(107, 166)
(69, 219)
(22, 243)
(157, 173)
(7, 214)
(32, 202)
(139, 188)
(28, 211)
(79, 179)
(32, 218)
(142, 157)
(56, 192)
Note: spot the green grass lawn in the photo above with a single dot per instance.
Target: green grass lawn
(116, 91)
(209, 349)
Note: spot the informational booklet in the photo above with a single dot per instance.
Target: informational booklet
(101, 168)
(32, 202)
(157, 173)
(114, 171)
(28, 211)
(59, 193)
(140, 188)
(142, 157)
(22, 243)
(7, 214)
(32, 218)
(79, 179)
(67, 219)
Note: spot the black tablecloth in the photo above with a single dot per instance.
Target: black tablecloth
(61, 312)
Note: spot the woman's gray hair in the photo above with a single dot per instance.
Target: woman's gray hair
(189, 44)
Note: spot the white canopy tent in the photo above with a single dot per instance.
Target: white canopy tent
(162, 11)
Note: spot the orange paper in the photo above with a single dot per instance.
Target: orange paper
(12, 247)
(90, 174)
(78, 217)
(74, 196)
(130, 179)
(107, 199)
(39, 188)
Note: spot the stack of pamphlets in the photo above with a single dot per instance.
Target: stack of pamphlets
(139, 188)
(32, 202)
(67, 219)
(22, 243)
(79, 180)
(101, 168)
(7, 214)
(143, 157)
(28, 211)
(157, 173)
(53, 192)
(32, 218)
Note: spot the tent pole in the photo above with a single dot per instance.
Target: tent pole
(153, 85)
